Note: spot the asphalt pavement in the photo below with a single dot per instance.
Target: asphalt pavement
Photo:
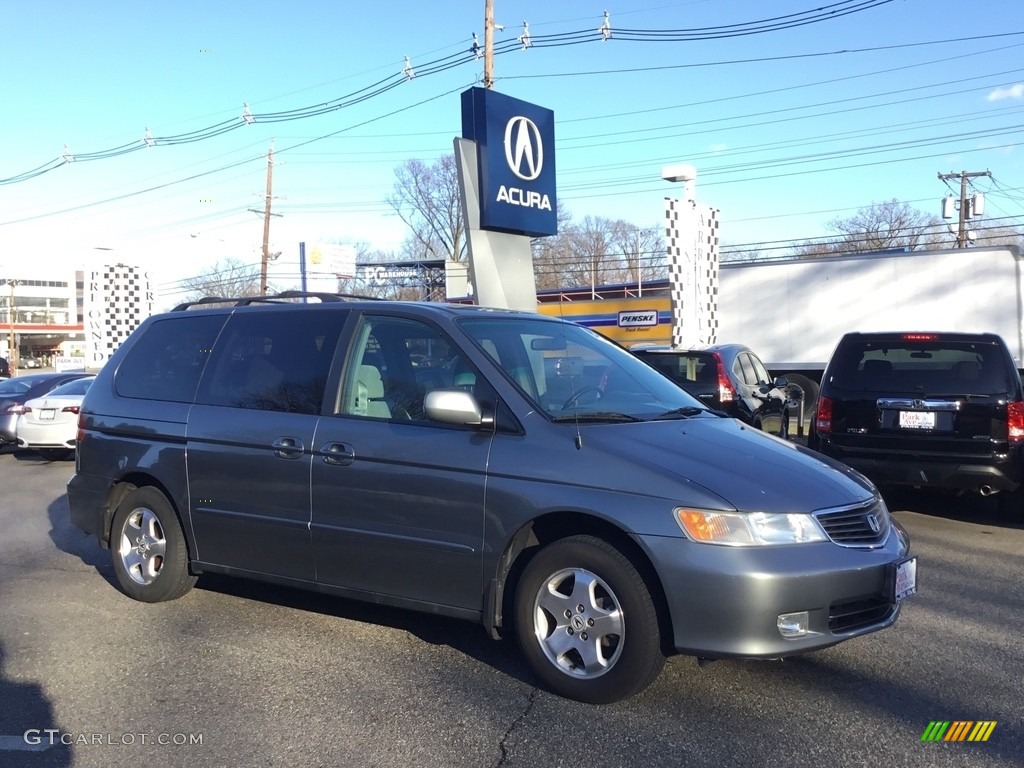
(243, 674)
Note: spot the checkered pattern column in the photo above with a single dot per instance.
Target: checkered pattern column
(676, 252)
(708, 245)
(118, 298)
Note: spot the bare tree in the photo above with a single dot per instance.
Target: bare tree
(879, 227)
(426, 197)
(598, 251)
(550, 253)
(641, 250)
(230, 278)
(994, 235)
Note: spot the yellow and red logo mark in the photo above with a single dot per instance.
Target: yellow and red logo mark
(958, 730)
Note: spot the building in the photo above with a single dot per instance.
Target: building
(82, 314)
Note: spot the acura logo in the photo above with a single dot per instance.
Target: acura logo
(524, 150)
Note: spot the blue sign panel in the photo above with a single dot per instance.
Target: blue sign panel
(516, 162)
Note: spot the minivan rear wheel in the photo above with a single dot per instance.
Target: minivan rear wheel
(148, 548)
(586, 621)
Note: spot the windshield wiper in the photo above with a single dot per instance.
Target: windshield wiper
(592, 416)
(686, 412)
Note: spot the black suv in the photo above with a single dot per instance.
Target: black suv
(940, 410)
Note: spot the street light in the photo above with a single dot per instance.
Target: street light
(685, 173)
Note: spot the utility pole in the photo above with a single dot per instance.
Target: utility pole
(266, 222)
(488, 43)
(965, 205)
(11, 344)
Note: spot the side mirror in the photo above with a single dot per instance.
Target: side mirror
(455, 406)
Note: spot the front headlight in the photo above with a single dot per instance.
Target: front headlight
(748, 529)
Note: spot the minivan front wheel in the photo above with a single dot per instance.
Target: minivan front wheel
(586, 621)
(148, 548)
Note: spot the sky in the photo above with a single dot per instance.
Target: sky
(791, 119)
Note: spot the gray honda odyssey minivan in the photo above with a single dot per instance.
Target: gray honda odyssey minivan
(510, 469)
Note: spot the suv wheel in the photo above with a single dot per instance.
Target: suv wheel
(148, 548)
(586, 621)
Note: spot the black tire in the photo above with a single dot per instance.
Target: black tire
(606, 652)
(148, 548)
(55, 454)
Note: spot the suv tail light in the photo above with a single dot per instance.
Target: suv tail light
(823, 416)
(18, 408)
(1015, 421)
(726, 391)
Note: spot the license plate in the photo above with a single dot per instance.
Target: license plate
(47, 414)
(906, 578)
(917, 419)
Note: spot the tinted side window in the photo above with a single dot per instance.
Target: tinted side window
(167, 361)
(763, 377)
(746, 371)
(273, 360)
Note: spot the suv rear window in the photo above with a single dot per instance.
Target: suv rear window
(683, 366)
(934, 366)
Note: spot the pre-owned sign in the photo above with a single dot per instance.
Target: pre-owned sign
(516, 162)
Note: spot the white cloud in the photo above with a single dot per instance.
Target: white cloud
(719, 148)
(1013, 92)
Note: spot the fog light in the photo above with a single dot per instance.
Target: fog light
(793, 624)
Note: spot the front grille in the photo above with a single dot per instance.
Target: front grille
(857, 614)
(863, 525)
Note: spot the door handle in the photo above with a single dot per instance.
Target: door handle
(288, 448)
(339, 454)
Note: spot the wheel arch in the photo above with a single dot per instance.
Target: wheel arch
(125, 485)
(540, 531)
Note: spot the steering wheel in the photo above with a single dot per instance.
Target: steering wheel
(580, 393)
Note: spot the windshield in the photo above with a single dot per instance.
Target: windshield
(569, 371)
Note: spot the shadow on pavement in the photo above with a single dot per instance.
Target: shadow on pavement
(29, 736)
(466, 637)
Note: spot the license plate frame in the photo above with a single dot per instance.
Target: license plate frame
(917, 420)
(47, 414)
(904, 579)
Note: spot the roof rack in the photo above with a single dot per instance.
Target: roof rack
(277, 298)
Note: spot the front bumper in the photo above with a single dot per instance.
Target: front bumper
(726, 601)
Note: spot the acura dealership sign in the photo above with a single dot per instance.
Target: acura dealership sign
(516, 162)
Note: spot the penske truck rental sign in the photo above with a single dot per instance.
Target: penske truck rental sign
(516, 162)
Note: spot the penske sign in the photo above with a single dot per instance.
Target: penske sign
(515, 154)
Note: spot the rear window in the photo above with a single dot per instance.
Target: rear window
(695, 367)
(926, 366)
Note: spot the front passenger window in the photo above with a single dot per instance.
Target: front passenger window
(394, 363)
